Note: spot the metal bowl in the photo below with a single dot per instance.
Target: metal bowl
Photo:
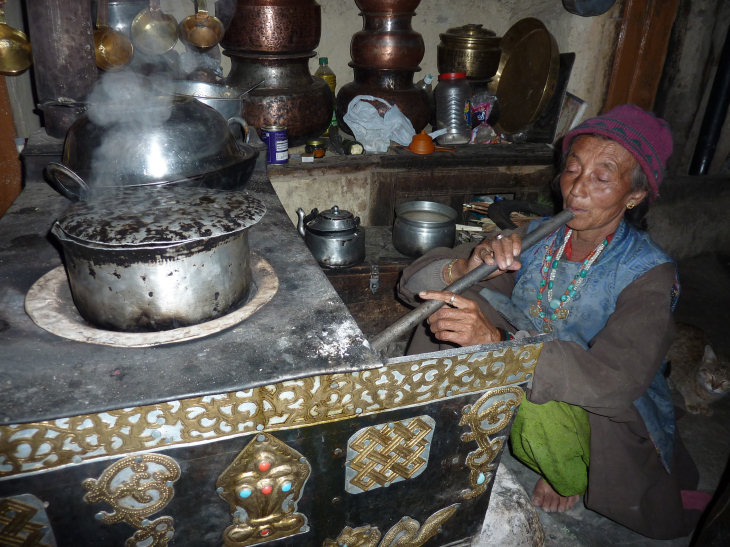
(225, 99)
(423, 225)
(167, 140)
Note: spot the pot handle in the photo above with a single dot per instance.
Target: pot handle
(66, 181)
(237, 120)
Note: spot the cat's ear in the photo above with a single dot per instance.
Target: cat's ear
(709, 356)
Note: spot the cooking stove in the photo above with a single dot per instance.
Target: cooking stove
(280, 426)
(301, 329)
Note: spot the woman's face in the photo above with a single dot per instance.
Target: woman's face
(596, 184)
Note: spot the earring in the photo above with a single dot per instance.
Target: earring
(630, 205)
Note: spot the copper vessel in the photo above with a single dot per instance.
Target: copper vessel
(387, 41)
(395, 86)
(385, 55)
(290, 95)
(274, 26)
(397, 6)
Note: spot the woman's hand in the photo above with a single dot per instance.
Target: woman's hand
(460, 321)
(502, 251)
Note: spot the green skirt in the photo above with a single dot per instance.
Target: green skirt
(553, 439)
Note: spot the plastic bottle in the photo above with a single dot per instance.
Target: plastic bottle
(328, 75)
(453, 109)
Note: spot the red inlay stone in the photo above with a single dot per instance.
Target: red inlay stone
(264, 466)
(265, 532)
(266, 490)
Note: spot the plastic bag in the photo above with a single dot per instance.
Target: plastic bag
(374, 131)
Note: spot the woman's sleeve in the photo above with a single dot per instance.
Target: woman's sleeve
(622, 359)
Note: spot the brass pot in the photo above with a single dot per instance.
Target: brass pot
(387, 40)
(469, 49)
(274, 26)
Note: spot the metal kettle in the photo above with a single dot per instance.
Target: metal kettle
(334, 236)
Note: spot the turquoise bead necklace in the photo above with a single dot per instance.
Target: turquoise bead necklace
(548, 272)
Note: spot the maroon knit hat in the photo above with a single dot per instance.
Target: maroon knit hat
(644, 135)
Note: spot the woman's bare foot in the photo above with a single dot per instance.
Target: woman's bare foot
(549, 500)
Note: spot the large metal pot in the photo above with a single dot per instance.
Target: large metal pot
(171, 139)
(160, 259)
(423, 225)
(290, 96)
(334, 236)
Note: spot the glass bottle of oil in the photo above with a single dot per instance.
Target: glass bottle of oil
(328, 75)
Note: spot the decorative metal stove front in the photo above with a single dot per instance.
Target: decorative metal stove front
(407, 451)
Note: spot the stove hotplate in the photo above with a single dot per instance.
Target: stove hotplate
(50, 305)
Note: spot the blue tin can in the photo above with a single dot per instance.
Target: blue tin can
(277, 143)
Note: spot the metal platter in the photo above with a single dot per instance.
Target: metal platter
(527, 75)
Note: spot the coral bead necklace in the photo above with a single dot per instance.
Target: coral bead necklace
(556, 306)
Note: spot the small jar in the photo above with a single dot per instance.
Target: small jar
(315, 147)
(453, 108)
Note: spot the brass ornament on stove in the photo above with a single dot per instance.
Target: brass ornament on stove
(403, 382)
(24, 522)
(407, 532)
(262, 487)
(489, 415)
(137, 487)
(380, 455)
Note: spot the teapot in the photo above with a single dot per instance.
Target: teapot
(334, 237)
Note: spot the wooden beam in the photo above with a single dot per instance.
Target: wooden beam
(10, 172)
(641, 50)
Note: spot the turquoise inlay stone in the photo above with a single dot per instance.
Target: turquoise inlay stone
(554, 303)
(541, 315)
(553, 317)
(555, 263)
(539, 296)
(572, 293)
(550, 285)
(286, 487)
(246, 492)
(571, 287)
(481, 478)
(542, 282)
(544, 269)
(564, 298)
(583, 273)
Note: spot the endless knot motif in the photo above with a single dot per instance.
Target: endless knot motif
(381, 455)
(137, 487)
(19, 522)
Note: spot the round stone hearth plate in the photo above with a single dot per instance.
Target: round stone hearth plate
(50, 305)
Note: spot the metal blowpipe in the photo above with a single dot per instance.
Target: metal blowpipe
(415, 316)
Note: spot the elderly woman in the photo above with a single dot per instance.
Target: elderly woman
(598, 419)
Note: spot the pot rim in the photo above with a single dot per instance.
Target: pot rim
(428, 206)
(106, 223)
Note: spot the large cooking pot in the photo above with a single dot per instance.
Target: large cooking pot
(160, 259)
(423, 225)
(170, 139)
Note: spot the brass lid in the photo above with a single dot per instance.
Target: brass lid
(471, 36)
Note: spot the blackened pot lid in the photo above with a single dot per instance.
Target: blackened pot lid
(128, 217)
